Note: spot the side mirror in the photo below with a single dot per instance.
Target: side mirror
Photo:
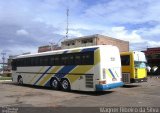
(154, 68)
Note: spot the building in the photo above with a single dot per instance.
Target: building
(95, 40)
(153, 55)
(48, 48)
(153, 58)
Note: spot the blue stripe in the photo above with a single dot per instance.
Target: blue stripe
(111, 73)
(64, 52)
(48, 84)
(63, 72)
(89, 49)
(42, 75)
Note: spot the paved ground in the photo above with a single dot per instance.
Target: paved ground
(143, 94)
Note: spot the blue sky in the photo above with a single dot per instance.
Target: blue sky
(27, 24)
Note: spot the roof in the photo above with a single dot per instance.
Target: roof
(80, 38)
(58, 51)
(91, 36)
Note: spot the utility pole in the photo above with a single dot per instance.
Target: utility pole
(67, 29)
(3, 59)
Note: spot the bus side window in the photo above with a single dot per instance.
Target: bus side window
(51, 60)
(28, 62)
(41, 61)
(71, 59)
(18, 62)
(32, 61)
(45, 60)
(87, 58)
(36, 61)
(24, 62)
(77, 59)
(64, 59)
(14, 64)
(125, 60)
(57, 60)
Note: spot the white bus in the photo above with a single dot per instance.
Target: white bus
(94, 68)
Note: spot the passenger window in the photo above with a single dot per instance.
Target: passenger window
(52, 60)
(45, 61)
(71, 59)
(77, 59)
(57, 60)
(64, 60)
(87, 58)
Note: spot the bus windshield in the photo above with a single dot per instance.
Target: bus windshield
(140, 64)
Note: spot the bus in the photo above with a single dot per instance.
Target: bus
(133, 67)
(83, 68)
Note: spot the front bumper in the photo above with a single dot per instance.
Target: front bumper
(100, 87)
(138, 80)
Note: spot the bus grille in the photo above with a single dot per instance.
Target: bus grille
(126, 78)
(89, 81)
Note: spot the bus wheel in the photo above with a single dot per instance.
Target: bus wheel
(55, 83)
(20, 80)
(65, 85)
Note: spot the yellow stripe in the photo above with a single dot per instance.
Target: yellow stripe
(108, 73)
(84, 69)
(78, 69)
(48, 76)
(36, 74)
(97, 56)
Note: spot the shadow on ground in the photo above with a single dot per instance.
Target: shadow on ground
(130, 86)
(92, 93)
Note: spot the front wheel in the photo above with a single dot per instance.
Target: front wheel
(65, 85)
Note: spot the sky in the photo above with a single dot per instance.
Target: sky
(27, 24)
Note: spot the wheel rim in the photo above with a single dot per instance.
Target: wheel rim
(55, 83)
(65, 84)
(20, 81)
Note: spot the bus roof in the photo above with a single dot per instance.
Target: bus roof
(59, 51)
(130, 52)
(138, 55)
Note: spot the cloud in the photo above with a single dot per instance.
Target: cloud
(136, 37)
(23, 27)
(123, 34)
(118, 12)
(22, 32)
(153, 43)
(27, 24)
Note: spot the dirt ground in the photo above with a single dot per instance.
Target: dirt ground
(139, 94)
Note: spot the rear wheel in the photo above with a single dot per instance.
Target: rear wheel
(20, 80)
(55, 83)
(65, 85)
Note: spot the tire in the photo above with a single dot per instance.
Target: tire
(55, 84)
(65, 85)
(20, 80)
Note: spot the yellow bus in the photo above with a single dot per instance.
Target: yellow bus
(133, 67)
